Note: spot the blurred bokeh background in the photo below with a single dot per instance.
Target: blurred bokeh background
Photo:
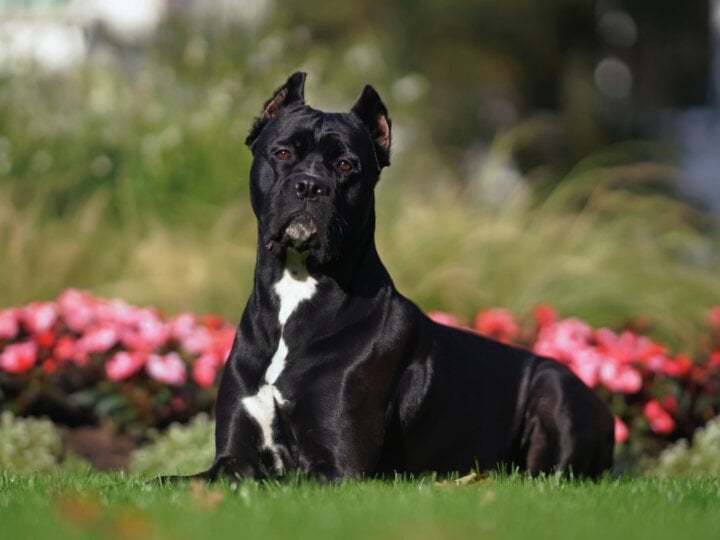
(558, 151)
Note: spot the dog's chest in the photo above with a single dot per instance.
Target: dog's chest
(294, 287)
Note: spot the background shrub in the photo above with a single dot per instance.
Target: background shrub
(28, 444)
(181, 449)
(700, 457)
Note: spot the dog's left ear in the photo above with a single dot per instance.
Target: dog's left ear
(290, 93)
(371, 110)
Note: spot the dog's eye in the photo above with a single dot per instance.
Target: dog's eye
(344, 165)
(283, 155)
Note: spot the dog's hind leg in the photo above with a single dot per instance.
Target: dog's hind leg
(569, 428)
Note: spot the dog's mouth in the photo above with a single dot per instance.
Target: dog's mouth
(298, 233)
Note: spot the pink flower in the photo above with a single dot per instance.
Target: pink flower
(8, 324)
(117, 312)
(153, 332)
(39, 316)
(447, 319)
(619, 378)
(563, 339)
(204, 370)
(629, 381)
(77, 309)
(497, 323)
(98, 339)
(621, 431)
(660, 421)
(586, 364)
(182, 326)
(169, 369)
(123, 365)
(714, 317)
(19, 357)
(627, 347)
(198, 342)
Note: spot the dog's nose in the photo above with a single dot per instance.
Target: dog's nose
(311, 188)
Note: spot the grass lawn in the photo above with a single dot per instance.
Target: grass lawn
(93, 505)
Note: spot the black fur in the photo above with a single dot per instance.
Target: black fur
(371, 385)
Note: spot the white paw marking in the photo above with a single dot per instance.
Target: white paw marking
(294, 287)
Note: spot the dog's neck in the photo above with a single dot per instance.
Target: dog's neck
(358, 272)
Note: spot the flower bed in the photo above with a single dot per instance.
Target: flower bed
(86, 360)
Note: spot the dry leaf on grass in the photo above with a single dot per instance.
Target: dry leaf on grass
(468, 479)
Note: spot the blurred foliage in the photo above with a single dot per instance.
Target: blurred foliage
(487, 65)
(181, 449)
(128, 176)
(700, 458)
(28, 444)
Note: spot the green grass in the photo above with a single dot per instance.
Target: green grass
(113, 506)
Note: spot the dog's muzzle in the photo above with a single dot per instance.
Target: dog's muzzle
(300, 230)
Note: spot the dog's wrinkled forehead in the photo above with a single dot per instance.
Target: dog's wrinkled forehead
(307, 130)
(286, 119)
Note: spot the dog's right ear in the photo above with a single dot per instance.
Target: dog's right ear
(290, 93)
(372, 111)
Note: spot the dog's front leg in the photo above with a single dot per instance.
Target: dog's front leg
(238, 436)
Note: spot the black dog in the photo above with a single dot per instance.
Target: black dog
(335, 373)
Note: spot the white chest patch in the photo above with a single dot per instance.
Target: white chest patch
(294, 287)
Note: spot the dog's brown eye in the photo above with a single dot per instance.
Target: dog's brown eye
(344, 165)
(283, 154)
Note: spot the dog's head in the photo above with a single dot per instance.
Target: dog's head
(313, 173)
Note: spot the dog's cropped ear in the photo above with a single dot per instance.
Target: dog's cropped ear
(371, 110)
(290, 93)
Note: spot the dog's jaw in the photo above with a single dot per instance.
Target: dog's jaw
(300, 231)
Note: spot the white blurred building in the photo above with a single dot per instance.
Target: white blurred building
(55, 34)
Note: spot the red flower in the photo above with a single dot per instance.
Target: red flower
(213, 322)
(545, 315)
(45, 339)
(447, 319)
(660, 421)
(714, 362)
(678, 367)
(621, 431)
(50, 366)
(204, 370)
(178, 403)
(64, 348)
(169, 369)
(8, 324)
(497, 323)
(669, 403)
(18, 357)
(123, 365)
